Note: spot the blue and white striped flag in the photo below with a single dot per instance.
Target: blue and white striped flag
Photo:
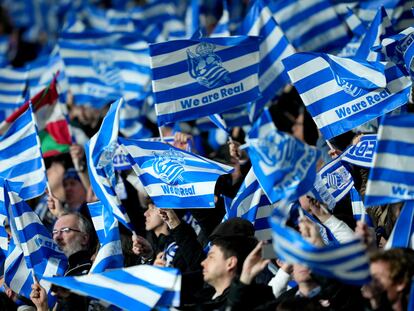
(238, 116)
(402, 234)
(342, 94)
(174, 178)
(31, 235)
(20, 156)
(310, 26)
(284, 166)
(193, 17)
(99, 73)
(347, 262)
(274, 47)
(358, 208)
(362, 153)
(196, 78)
(263, 126)
(100, 152)
(141, 287)
(379, 29)
(31, 249)
(391, 177)
(336, 178)
(106, 226)
(252, 204)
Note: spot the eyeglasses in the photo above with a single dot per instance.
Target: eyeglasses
(64, 230)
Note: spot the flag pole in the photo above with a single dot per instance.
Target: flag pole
(160, 131)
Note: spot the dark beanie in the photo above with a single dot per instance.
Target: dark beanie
(233, 228)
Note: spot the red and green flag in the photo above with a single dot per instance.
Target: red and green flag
(52, 125)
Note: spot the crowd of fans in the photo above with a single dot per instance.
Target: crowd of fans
(232, 274)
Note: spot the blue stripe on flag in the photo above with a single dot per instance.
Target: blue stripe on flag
(195, 78)
(120, 287)
(391, 177)
(349, 92)
(347, 262)
(174, 178)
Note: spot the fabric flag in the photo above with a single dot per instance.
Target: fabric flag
(347, 262)
(336, 178)
(31, 235)
(313, 26)
(358, 208)
(4, 240)
(252, 204)
(196, 78)
(99, 73)
(391, 177)
(222, 27)
(20, 156)
(31, 248)
(380, 28)
(174, 178)
(106, 226)
(342, 94)
(402, 234)
(284, 166)
(100, 152)
(192, 17)
(219, 122)
(155, 286)
(274, 47)
(362, 153)
(51, 120)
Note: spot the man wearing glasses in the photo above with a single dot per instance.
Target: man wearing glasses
(74, 235)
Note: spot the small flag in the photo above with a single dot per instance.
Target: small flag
(196, 78)
(313, 26)
(342, 94)
(20, 156)
(106, 226)
(274, 47)
(391, 177)
(347, 262)
(252, 204)
(100, 154)
(379, 29)
(156, 286)
(284, 166)
(362, 153)
(336, 178)
(174, 178)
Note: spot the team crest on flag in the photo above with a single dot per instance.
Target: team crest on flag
(203, 76)
(169, 166)
(348, 87)
(206, 67)
(104, 66)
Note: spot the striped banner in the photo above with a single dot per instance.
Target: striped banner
(174, 178)
(196, 78)
(342, 93)
(362, 153)
(391, 177)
